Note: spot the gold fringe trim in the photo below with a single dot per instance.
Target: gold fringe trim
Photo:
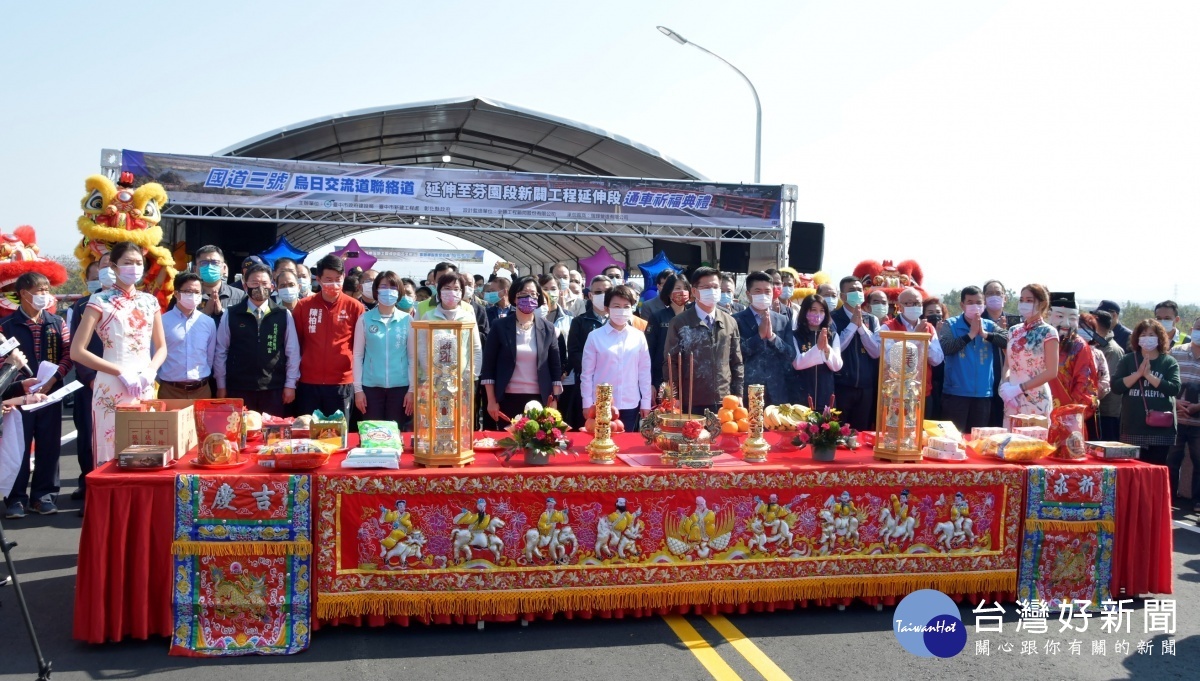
(246, 548)
(1070, 525)
(521, 601)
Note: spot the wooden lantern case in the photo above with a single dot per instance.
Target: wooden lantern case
(443, 421)
(903, 362)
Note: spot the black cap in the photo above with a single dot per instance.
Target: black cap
(1109, 306)
(252, 260)
(1063, 299)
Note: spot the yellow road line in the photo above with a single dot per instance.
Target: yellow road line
(705, 653)
(757, 658)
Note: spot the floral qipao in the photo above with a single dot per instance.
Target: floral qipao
(1027, 359)
(125, 328)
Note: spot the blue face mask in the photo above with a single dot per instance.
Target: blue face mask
(387, 296)
(406, 303)
(210, 274)
(491, 297)
(854, 298)
(726, 299)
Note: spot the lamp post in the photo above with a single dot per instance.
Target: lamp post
(757, 105)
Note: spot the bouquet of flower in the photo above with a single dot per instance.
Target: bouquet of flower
(539, 429)
(822, 428)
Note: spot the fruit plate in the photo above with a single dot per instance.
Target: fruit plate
(195, 461)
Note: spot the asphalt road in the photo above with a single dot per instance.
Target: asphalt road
(814, 643)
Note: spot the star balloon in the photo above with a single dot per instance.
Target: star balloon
(594, 265)
(355, 256)
(283, 249)
(650, 272)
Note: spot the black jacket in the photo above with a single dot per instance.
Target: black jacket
(54, 346)
(581, 327)
(95, 345)
(500, 355)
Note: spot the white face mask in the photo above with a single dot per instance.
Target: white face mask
(913, 313)
(564, 284)
(620, 316)
(1167, 324)
(785, 293)
(108, 278)
(40, 301)
(368, 290)
(1026, 309)
(93, 285)
(305, 287)
(879, 309)
(708, 296)
(831, 301)
(469, 293)
(598, 303)
(542, 311)
(1148, 342)
(288, 294)
(760, 301)
(189, 301)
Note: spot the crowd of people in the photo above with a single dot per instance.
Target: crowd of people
(288, 340)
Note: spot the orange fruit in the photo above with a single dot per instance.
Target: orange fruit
(730, 428)
(725, 415)
(731, 402)
(743, 426)
(740, 414)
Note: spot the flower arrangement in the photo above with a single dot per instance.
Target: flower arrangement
(822, 429)
(539, 430)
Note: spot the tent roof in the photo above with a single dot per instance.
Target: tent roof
(478, 134)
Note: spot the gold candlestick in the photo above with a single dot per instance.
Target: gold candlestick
(602, 450)
(755, 448)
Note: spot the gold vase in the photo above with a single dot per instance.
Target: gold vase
(755, 448)
(602, 450)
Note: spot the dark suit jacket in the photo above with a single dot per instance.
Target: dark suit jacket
(481, 320)
(500, 355)
(718, 367)
(768, 363)
(95, 345)
(656, 339)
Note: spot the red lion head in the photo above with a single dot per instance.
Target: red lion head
(889, 278)
(19, 254)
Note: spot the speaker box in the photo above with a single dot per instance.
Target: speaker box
(687, 256)
(237, 239)
(807, 247)
(735, 257)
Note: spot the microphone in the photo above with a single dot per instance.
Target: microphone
(6, 349)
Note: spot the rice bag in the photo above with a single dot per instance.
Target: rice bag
(945, 429)
(1012, 447)
(379, 435)
(1068, 432)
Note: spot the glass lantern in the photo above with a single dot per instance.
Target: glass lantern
(443, 420)
(903, 377)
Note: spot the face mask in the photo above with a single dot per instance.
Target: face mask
(189, 301)
(1167, 324)
(995, 303)
(543, 311)
(973, 311)
(1148, 342)
(129, 274)
(527, 304)
(934, 319)
(93, 285)
(854, 298)
(620, 316)
(108, 278)
(680, 297)
(450, 298)
(288, 294)
(831, 302)
(259, 293)
(726, 299)
(551, 295)
(708, 296)
(576, 287)
(598, 303)
(912, 312)
(815, 318)
(1026, 309)
(468, 293)
(491, 297)
(39, 301)
(785, 293)
(879, 309)
(564, 284)
(305, 287)
(760, 301)
(777, 291)
(331, 286)
(368, 290)
(388, 296)
(616, 281)
(406, 303)
(210, 274)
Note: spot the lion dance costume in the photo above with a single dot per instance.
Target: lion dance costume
(113, 213)
(19, 254)
(890, 279)
(806, 284)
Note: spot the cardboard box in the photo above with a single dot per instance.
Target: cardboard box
(174, 425)
(1112, 450)
(146, 456)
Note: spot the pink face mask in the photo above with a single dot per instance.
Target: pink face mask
(815, 318)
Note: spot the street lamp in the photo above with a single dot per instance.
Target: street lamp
(757, 105)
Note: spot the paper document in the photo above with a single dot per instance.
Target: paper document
(46, 371)
(56, 396)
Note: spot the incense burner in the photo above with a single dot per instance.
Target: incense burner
(666, 431)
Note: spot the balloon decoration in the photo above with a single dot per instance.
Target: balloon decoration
(650, 271)
(355, 256)
(594, 266)
(284, 249)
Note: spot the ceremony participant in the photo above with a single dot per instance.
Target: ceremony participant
(675, 295)
(877, 300)
(128, 324)
(423, 294)
(258, 350)
(969, 343)
(449, 307)
(1032, 358)
(767, 348)
(934, 313)
(818, 355)
(828, 294)
(1098, 345)
(352, 286)
(287, 289)
(617, 354)
(581, 327)
(995, 298)
(1187, 408)
(521, 362)
(1167, 314)
(1077, 381)
(282, 264)
(250, 261)
(381, 355)
(1121, 333)
(556, 315)
(615, 274)
(913, 318)
(304, 280)
(217, 294)
(654, 305)
(442, 268)
(81, 412)
(779, 303)
(43, 337)
(1148, 379)
(408, 296)
(15, 359)
(1100, 324)
(562, 277)
(729, 302)
(708, 341)
(496, 297)
(325, 326)
(477, 308)
(367, 295)
(191, 344)
(857, 381)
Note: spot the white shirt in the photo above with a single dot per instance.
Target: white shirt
(936, 356)
(620, 358)
(814, 356)
(191, 346)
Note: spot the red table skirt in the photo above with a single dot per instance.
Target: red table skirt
(124, 578)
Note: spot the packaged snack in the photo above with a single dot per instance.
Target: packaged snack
(1035, 432)
(330, 428)
(1068, 432)
(1021, 420)
(978, 433)
(1012, 447)
(379, 435)
(290, 447)
(360, 457)
(1112, 450)
(943, 444)
(221, 417)
(945, 429)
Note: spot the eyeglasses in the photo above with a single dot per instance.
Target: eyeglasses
(211, 262)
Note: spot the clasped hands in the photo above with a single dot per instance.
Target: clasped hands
(137, 383)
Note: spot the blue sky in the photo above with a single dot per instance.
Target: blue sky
(1030, 141)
